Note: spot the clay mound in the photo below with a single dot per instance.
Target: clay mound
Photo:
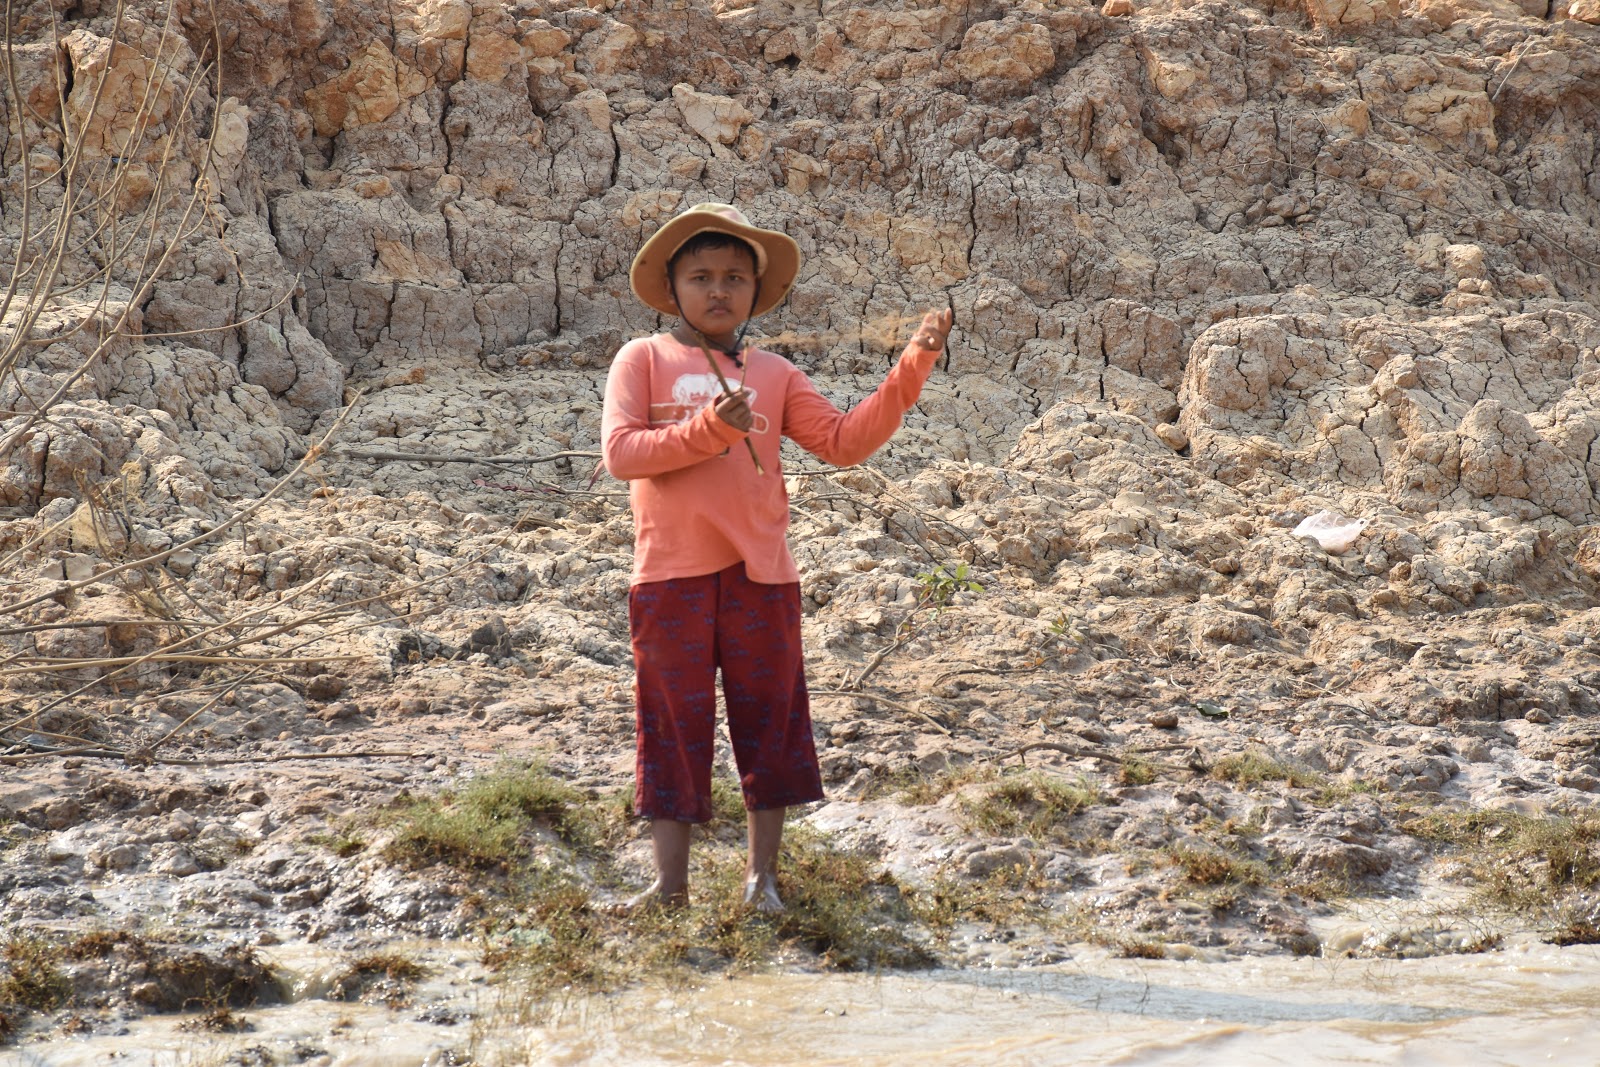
(1214, 269)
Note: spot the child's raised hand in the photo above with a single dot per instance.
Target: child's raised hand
(734, 409)
(935, 329)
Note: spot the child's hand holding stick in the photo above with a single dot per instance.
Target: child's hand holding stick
(740, 406)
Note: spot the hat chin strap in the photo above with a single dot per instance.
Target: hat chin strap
(738, 340)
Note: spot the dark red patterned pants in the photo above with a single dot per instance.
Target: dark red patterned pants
(684, 630)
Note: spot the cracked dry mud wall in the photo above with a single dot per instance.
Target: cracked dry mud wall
(1349, 247)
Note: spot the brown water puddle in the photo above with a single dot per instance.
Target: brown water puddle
(1524, 1005)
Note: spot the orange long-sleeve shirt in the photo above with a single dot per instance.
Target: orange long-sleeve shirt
(698, 504)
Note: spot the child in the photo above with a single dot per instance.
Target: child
(713, 584)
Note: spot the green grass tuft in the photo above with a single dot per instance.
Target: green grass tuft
(1213, 867)
(842, 908)
(1518, 860)
(482, 825)
(1255, 767)
(916, 788)
(839, 908)
(29, 977)
(1141, 949)
(1136, 770)
(1035, 804)
(344, 843)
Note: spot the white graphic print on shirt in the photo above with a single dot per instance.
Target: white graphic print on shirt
(690, 393)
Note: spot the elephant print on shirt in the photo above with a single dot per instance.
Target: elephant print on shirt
(690, 393)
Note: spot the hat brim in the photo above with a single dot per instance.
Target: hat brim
(648, 275)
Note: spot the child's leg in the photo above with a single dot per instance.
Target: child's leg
(764, 679)
(765, 835)
(672, 626)
(670, 841)
(769, 717)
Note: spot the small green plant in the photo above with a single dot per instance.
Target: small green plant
(342, 843)
(940, 586)
(1213, 867)
(950, 899)
(1141, 949)
(1035, 804)
(30, 978)
(1254, 768)
(481, 825)
(1136, 770)
(1338, 790)
(392, 967)
(919, 789)
(1518, 860)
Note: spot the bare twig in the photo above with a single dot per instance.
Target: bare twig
(947, 675)
(1083, 752)
(879, 698)
(240, 516)
(453, 457)
(138, 756)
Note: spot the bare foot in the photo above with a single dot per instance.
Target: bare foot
(652, 899)
(761, 893)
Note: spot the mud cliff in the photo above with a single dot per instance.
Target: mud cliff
(1215, 267)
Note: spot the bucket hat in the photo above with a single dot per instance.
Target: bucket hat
(777, 256)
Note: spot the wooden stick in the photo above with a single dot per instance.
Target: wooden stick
(897, 705)
(727, 390)
(455, 457)
(144, 756)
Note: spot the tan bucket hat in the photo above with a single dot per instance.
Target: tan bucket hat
(777, 256)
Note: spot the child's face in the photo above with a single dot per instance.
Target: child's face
(716, 288)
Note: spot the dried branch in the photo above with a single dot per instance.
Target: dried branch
(454, 457)
(1083, 752)
(886, 701)
(142, 756)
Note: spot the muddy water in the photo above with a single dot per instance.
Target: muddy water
(1530, 1004)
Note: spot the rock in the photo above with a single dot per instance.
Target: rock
(1319, 857)
(176, 862)
(718, 119)
(181, 825)
(1584, 779)
(446, 20)
(116, 857)
(986, 861)
(1351, 13)
(254, 824)
(325, 687)
(541, 40)
(1013, 53)
(371, 89)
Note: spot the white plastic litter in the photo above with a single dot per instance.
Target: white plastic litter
(1333, 531)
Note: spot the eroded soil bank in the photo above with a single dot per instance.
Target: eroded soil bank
(291, 659)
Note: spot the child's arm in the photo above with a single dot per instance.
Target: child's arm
(812, 422)
(632, 448)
